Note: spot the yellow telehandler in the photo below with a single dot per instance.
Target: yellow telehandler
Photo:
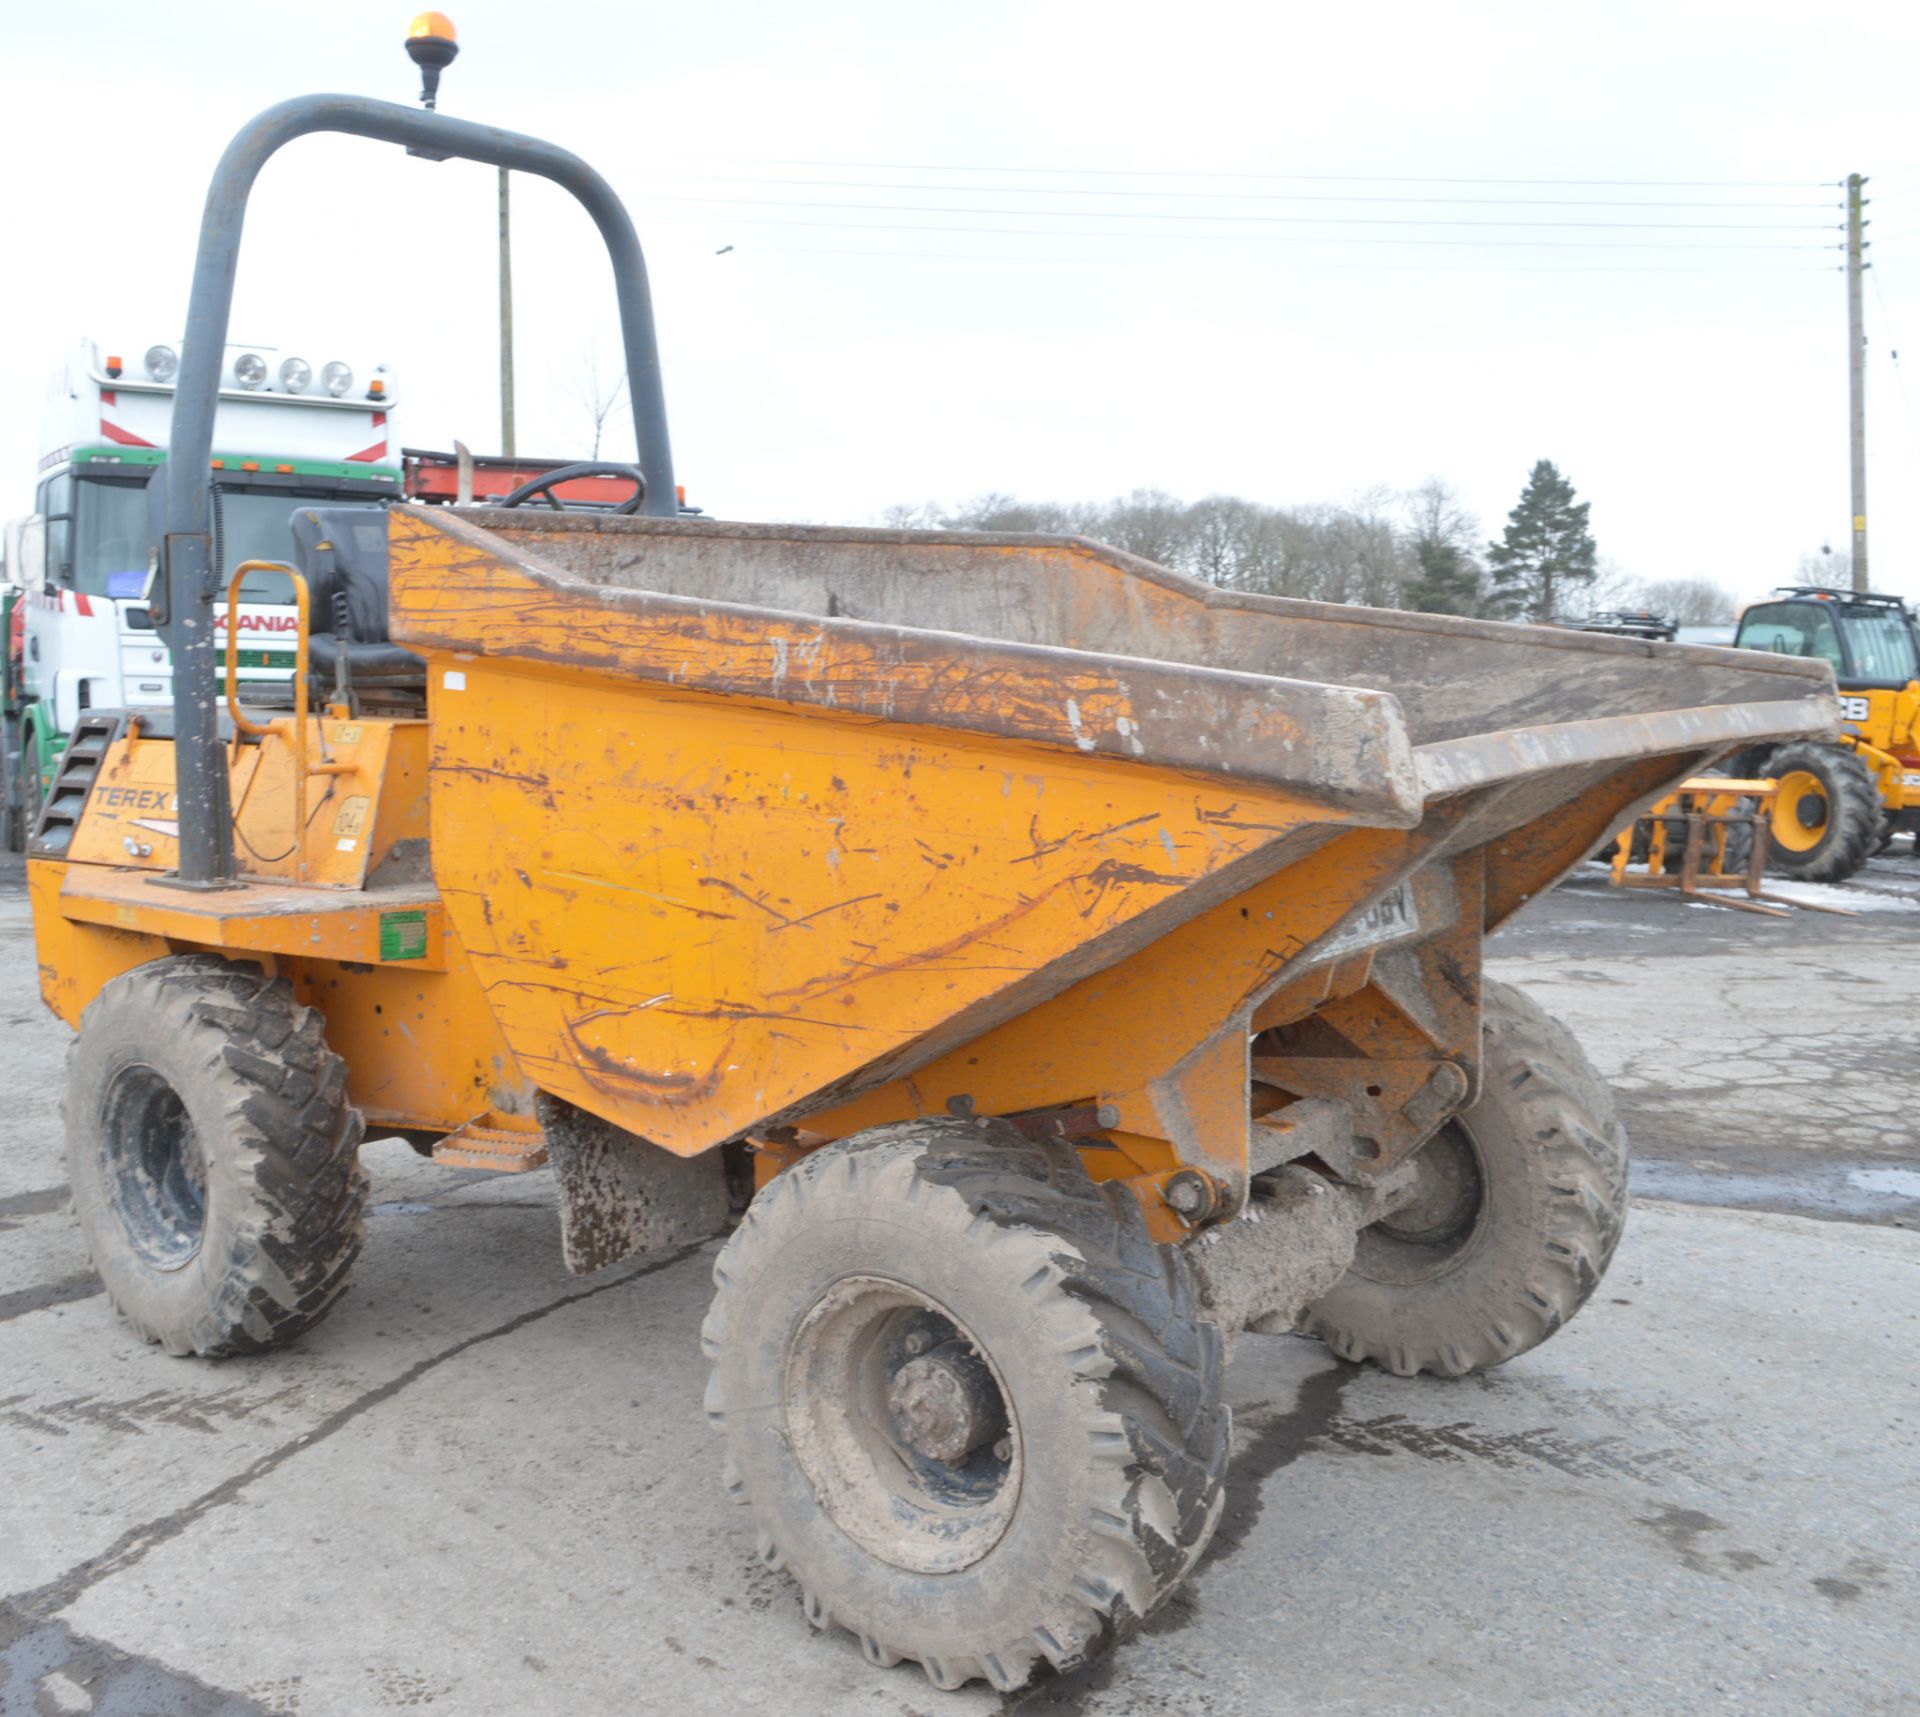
(1842, 800)
(1047, 966)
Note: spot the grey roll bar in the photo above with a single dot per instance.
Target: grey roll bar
(182, 590)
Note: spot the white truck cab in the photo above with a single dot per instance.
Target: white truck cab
(288, 432)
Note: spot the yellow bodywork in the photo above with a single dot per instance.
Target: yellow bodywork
(1883, 731)
(714, 873)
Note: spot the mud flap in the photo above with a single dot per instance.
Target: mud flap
(621, 1194)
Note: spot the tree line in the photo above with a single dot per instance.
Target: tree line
(1420, 549)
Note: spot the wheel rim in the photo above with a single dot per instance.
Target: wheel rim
(1440, 1224)
(155, 1169)
(902, 1425)
(1800, 811)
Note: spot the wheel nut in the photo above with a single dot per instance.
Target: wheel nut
(916, 1343)
(1003, 1450)
(1190, 1193)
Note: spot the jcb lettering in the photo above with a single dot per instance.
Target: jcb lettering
(1851, 709)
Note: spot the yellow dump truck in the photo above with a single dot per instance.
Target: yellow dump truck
(1046, 966)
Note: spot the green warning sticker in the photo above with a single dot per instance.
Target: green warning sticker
(403, 935)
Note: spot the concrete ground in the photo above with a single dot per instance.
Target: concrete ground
(487, 1487)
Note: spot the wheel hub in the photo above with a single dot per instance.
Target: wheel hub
(945, 1403)
(1446, 1192)
(1801, 811)
(901, 1423)
(1441, 1220)
(156, 1168)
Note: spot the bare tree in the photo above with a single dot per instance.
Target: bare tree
(1689, 601)
(905, 516)
(1151, 524)
(598, 392)
(1613, 587)
(1822, 569)
(1360, 551)
(1446, 577)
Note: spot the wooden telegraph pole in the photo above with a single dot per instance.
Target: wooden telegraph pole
(1857, 373)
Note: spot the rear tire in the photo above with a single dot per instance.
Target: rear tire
(214, 1156)
(1522, 1202)
(29, 793)
(1098, 1477)
(1827, 814)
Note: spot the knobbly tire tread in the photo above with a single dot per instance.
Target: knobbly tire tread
(1562, 1166)
(283, 1245)
(1149, 1357)
(1856, 811)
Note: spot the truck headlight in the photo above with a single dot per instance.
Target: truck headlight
(336, 378)
(163, 363)
(250, 369)
(296, 374)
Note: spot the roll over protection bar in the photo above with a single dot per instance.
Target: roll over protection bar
(182, 590)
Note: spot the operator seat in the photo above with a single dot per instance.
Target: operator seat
(343, 553)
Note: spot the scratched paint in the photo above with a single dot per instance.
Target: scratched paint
(666, 942)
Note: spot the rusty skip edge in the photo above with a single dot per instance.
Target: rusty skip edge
(1455, 765)
(1444, 628)
(1345, 747)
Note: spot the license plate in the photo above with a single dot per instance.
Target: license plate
(1391, 918)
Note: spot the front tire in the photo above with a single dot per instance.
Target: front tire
(972, 1404)
(1826, 812)
(1520, 1206)
(213, 1155)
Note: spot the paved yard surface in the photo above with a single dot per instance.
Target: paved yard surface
(486, 1487)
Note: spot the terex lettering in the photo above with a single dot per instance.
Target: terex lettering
(136, 798)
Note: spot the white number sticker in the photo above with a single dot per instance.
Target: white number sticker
(1389, 919)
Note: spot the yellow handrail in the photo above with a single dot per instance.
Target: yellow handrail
(243, 723)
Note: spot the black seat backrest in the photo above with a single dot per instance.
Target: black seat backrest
(344, 549)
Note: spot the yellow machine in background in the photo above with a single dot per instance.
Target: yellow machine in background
(1841, 801)
(1703, 842)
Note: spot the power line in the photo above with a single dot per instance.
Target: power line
(1300, 178)
(1354, 267)
(1220, 196)
(1264, 220)
(727, 221)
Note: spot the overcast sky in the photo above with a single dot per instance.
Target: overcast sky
(1059, 250)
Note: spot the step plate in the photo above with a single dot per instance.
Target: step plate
(492, 1148)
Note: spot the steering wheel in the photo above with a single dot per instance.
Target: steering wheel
(545, 485)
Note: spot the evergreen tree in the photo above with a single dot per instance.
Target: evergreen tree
(1448, 582)
(1545, 550)
(1446, 576)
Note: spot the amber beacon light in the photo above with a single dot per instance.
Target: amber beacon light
(432, 45)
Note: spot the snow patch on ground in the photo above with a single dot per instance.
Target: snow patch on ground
(1845, 895)
(1904, 1183)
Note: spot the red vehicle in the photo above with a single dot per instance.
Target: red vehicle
(463, 477)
